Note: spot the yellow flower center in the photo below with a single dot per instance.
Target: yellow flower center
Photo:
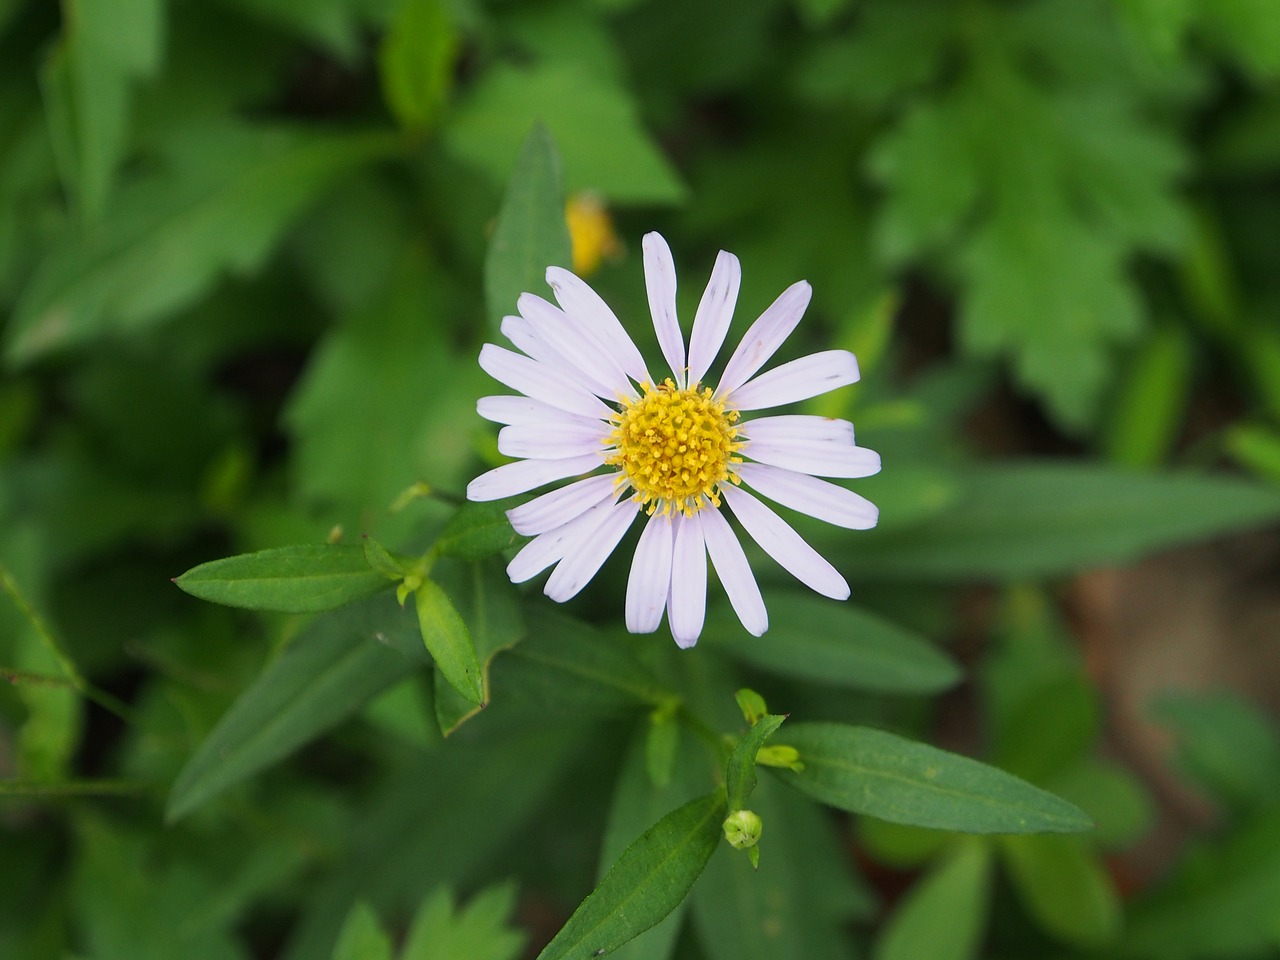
(675, 447)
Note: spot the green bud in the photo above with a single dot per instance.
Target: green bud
(742, 829)
(779, 756)
(751, 704)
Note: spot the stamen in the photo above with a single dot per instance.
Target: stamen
(674, 447)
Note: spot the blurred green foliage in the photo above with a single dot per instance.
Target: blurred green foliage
(248, 252)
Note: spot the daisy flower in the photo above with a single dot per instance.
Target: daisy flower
(677, 452)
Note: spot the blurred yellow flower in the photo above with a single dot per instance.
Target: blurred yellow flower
(591, 232)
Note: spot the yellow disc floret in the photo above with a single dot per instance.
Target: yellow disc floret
(674, 446)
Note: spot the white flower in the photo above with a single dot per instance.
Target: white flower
(672, 449)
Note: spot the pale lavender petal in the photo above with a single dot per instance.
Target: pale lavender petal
(797, 427)
(799, 379)
(578, 348)
(586, 307)
(551, 547)
(556, 440)
(539, 381)
(715, 311)
(776, 537)
(650, 578)
(687, 603)
(734, 572)
(558, 507)
(811, 496)
(582, 562)
(508, 409)
(765, 336)
(660, 282)
(821, 458)
(525, 475)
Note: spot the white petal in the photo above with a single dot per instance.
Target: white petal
(650, 577)
(558, 507)
(687, 606)
(799, 379)
(524, 475)
(660, 282)
(586, 307)
(581, 564)
(550, 547)
(821, 458)
(811, 496)
(734, 572)
(578, 348)
(556, 440)
(765, 336)
(539, 381)
(798, 427)
(715, 311)
(780, 541)
(506, 409)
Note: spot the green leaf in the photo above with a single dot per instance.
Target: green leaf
(740, 770)
(338, 662)
(943, 916)
(1019, 521)
(416, 62)
(882, 775)
(301, 579)
(1226, 744)
(488, 604)
(476, 531)
(1065, 887)
(220, 203)
(565, 666)
(531, 233)
(362, 937)
(823, 642)
(595, 122)
(802, 900)
(448, 641)
(647, 882)
(87, 82)
(480, 931)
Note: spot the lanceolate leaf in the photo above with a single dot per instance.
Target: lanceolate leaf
(339, 662)
(448, 641)
(814, 639)
(944, 914)
(300, 579)
(647, 882)
(886, 776)
(1032, 519)
(531, 233)
(740, 771)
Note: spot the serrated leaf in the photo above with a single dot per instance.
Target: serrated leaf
(479, 931)
(1023, 520)
(415, 62)
(531, 233)
(220, 203)
(477, 531)
(307, 578)
(595, 122)
(942, 917)
(1065, 887)
(882, 775)
(740, 769)
(448, 641)
(362, 937)
(647, 882)
(338, 662)
(817, 640)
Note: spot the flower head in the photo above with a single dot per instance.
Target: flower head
(670, 449)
